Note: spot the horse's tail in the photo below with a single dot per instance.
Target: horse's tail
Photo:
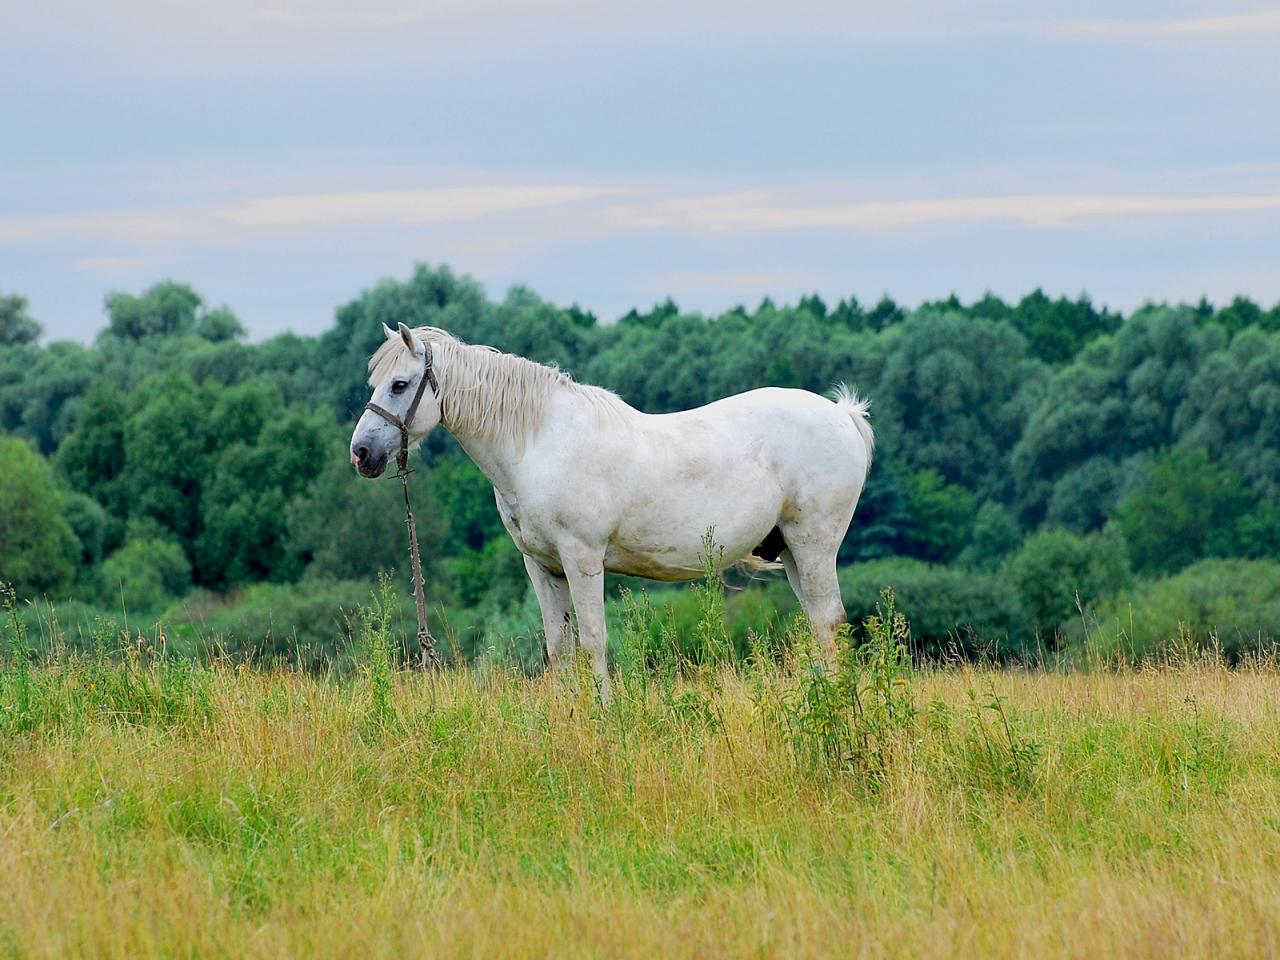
(859, 411)
(750, 565)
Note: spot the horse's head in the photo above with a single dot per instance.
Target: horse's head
(405, 405)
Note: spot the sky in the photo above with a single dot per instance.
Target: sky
(283, 156)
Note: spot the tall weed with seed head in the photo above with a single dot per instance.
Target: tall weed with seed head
(712, 631)
(653, 658)
(379, 669)
(848, 719)
(637, 655)
(18, 676)
(699, 701)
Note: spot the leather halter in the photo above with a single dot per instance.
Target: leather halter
(428, 376)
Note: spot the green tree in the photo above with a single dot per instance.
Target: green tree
(849, 314)
(37, 546)
(813, 304)
(1240, 313)
(996, 534)
(466, 499)
(39, 389)
(1190, 508)
(220, 325)
(1085, 497)
(991, 307)
(91, 526)
(1057, 329)
(244, 503)
(883, 514)
(1118, 398)
(92, 457)
(654, 318)
(941, 518)
(534, 328)
(165, 309)
(345, 527)
(1258, 533)
(17, 326)
(166, 457)
(481, 559)
(1232, 410)
(884, 314)
(953, 395)
(1057, 572)
(431, 297)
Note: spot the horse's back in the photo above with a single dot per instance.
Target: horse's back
(744, 464)
(793, 433)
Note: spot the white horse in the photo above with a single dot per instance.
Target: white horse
(586, 483)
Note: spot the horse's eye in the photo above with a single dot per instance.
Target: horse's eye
(399, 386)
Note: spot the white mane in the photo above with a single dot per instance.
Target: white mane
(485, 392)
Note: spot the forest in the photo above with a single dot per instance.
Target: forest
(1051, 477)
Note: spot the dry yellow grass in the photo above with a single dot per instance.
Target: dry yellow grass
(276, 815)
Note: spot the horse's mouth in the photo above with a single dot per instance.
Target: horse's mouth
(371, 467)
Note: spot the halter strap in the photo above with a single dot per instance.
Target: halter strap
(428, 376)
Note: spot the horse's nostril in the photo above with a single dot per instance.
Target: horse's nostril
(361, 453)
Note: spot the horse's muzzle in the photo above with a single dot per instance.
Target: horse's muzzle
(367, 464)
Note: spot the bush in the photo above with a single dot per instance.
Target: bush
(492, 577)
(310, 625)
(1236, 602)
(146, 575)
(37, 545)
(951, 611)
(1056, 572)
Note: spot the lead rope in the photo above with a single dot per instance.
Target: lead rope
(428, 659)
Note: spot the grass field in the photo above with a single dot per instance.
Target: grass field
(151, 807)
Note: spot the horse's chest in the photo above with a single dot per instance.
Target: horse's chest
(526, 536)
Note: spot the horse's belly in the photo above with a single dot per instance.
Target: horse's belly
(654, 563)
(676, 548)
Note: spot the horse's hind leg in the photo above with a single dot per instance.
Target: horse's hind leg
(811, 571)
(552, 592)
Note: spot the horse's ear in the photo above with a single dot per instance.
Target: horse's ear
(407, 336)
(391, 334)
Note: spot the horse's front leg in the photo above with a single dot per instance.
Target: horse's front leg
(584, 570)
(552, 592)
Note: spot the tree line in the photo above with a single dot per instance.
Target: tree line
(1063, 446)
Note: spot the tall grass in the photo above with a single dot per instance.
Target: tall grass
(149, 807)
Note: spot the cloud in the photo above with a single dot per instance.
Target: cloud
(764, 212)
(529, 214)
(314, 212)
(185, 37)
(1255, 25)
(140, 265)
(426, 206)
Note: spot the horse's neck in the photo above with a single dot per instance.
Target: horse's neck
(499, 459)
(495, 460)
